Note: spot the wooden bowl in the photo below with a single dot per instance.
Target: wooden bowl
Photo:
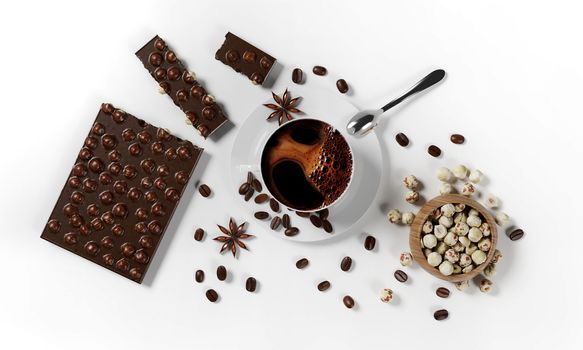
(421, 217)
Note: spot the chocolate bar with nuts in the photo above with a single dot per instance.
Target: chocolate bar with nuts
(245, 58)
(187, 93)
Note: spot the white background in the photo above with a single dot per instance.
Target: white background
(513, 89)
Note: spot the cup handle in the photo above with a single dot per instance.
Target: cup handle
(244, 168)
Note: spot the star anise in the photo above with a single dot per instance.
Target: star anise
(232, 237)
(284, 107)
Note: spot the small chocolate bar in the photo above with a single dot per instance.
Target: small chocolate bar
(245, 58)
(186, 92)
(121, 193)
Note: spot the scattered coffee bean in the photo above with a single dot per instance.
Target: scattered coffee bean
(402, 139)
(401, 276)
(346, 263)
(199, 276)
(199, 234)
(261, 198)
(256, 185)
(348, 301)
(291, 231)
(251, 284)
(212, 295)
(442, 292)
(324, 285)
(434, 151)
(204, 190)
(261, 215)
(319, 70)
(302, 263)
(243, 188)
(441, 314)
(369, 242)
(249, 194)
(285, 221)
(324, 213)
(316, 221)
(250, 178)
(327, 226)
(275, 222)
(221, 273)
(457, 139)
(274, 205)
(516, 234)
(297, 76)
(303, 214)
(342, 86)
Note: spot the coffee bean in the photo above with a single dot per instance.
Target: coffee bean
(327, 226)
(275, 222)
(261, 215)
(457, 139)
(324, 213)
(261, 198)
(291, 231)
(250, 178)
(303, 214)
(199, 234)
(316, 221)
(442, 292)
(441, 314)
(346, 263)
(297, 76)
(319, 70)
(285, 221)
(401, 276)
(402, 139)
(274, 205)
(256, 185)
(243, 188)
(348, 301)
(369, 242)
(251, 284)
(342, 86)
(212, 295)
(324, 285)
(434, 151)
(199, 276)
(204, 190)
(302, 263)
(249, 194)
(516, 234)
(221, 273)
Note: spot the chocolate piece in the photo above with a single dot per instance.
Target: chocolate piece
(245, 58)
(103, 213)
(184, 90)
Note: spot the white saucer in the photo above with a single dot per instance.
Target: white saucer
(335, 110)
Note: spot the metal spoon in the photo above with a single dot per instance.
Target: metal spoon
(365, 121)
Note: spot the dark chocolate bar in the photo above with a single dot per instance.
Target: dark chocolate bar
(186, 92)
(121, 193)
(245, 58)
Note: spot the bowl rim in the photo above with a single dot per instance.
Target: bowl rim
(421, 217)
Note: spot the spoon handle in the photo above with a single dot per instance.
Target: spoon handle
(430, 80)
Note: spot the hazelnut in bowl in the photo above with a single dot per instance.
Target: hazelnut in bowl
(453, 237)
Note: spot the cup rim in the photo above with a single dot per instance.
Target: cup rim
(351, 172)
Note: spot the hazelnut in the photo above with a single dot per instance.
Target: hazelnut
(427, 227)
(394, 216)
(460, 171)
(448, 210)
(429, 241)
(440, 231)
(474, 221)
(468, 189)
(450, 239)
(486, 285)
(406, 259)
(411, 182)
(475, 235)
(445, 188)
(451, 255)
(446, 268)
(412, 196)
(502, 219)
(475, 176)
(462, 285)
(443, 174)
(434, 259)
(478, 257)
(491, 201)
(408, 218)
(386, 295)
(490, 270)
